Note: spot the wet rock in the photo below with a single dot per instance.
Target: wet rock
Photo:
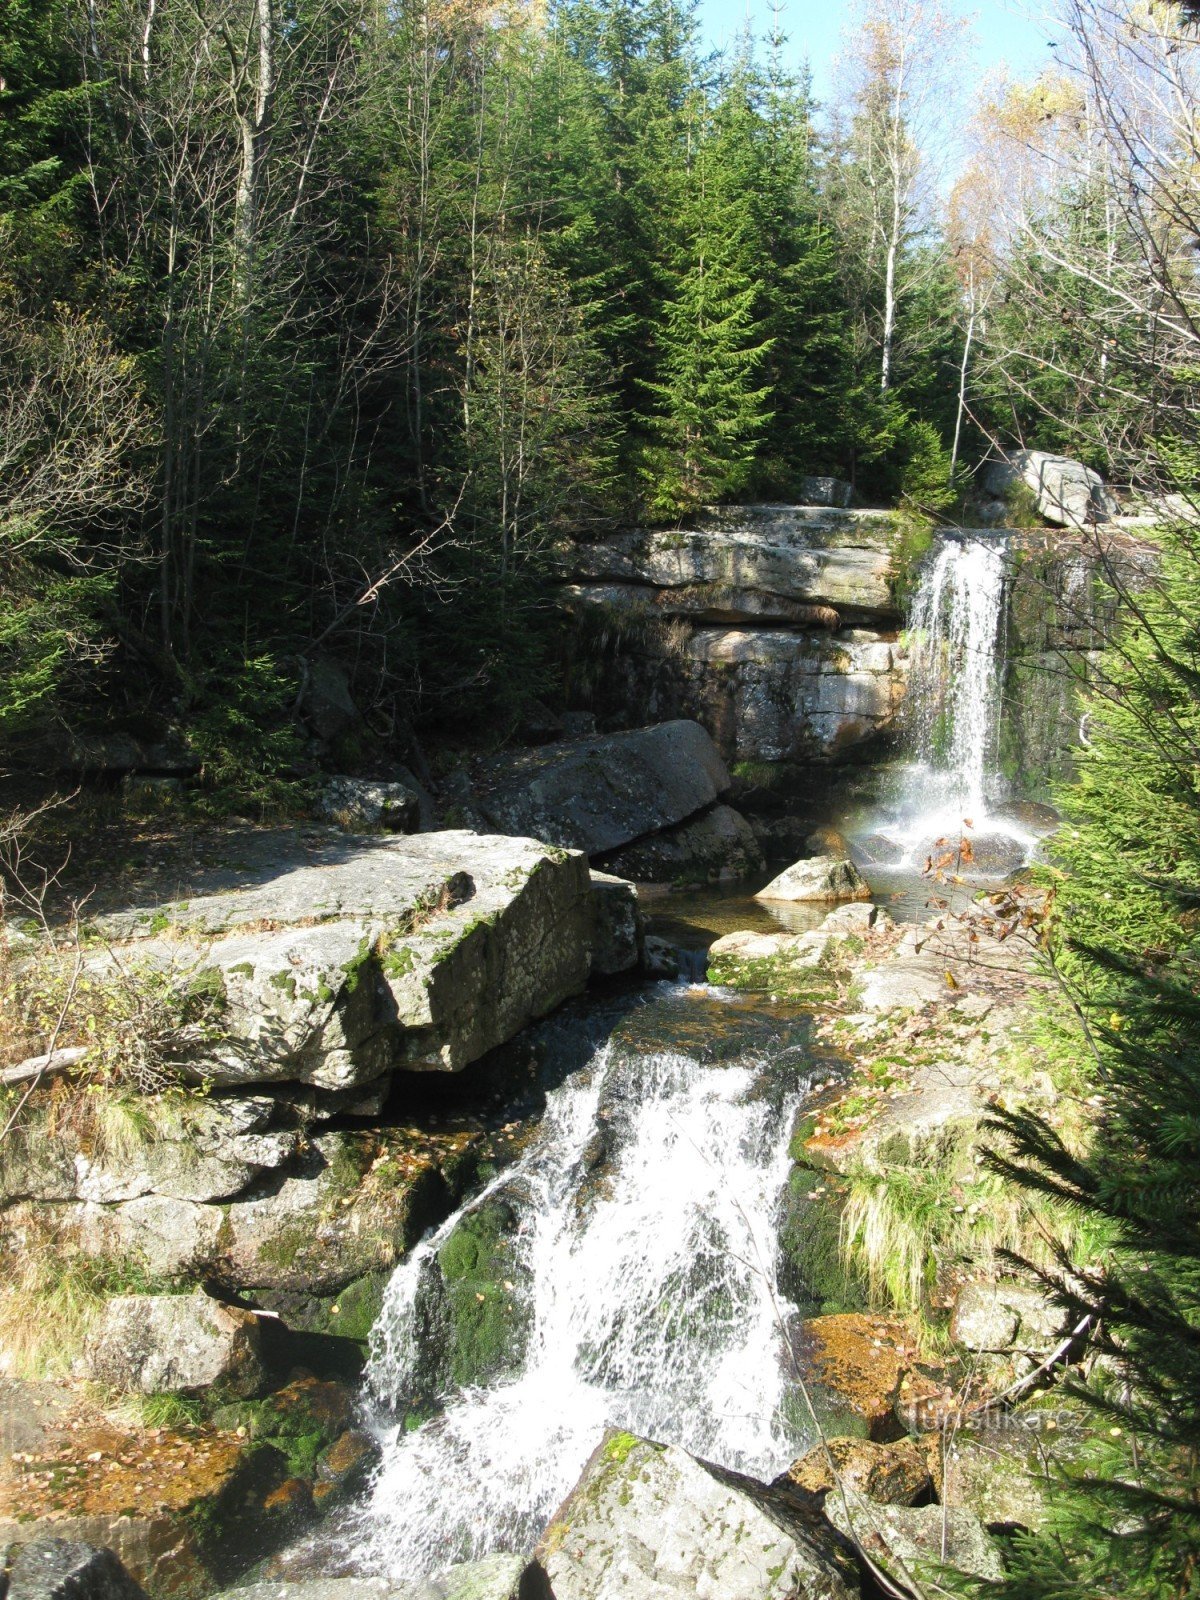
(598, 794)
(341, 1214)
(1065, 492)
(342, 1472)
(186, 1344)
(62, 1569)
(819, 878)
(719, 844)
(646, 1521)
(183, 1511)
(660, 958)
(617, 929)
(1031, 814)
(896, 1474)
(367, 803)
(494, 1578)
(905, 1539)
(344, 958)
(322, 1589)
(486, 1285)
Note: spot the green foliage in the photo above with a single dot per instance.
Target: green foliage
(242, 728)
(1128, 864)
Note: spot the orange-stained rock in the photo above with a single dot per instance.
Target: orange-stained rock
(344, 1468)
(895, 1474)
(862, 1360)
(181, 1507)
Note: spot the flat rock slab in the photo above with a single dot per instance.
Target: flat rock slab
(650, 1522)
(335, 959)
(595, 795)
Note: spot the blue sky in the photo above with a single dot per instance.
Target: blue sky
(1008, 31)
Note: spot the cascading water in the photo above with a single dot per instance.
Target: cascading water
(646, 1212)
(955, 673)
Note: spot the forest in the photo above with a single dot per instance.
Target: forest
(340, 320)
(327, 326)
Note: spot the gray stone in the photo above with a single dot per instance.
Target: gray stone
(660, 958)
(170, 1238)
(719, 844)
(910, 1539)
(649, 1522)
(59, 1569)
(901, 986)
(114, 754)
(327, 701)
(735, 955)
(1065, 491)
(1002, 1316)
(358, 803)
(818, 491)
(617, 932)
(981, 1319)
(186, 1344)
(857, 917)
(342, 961)
(598, 794)
(767, 694)
(820, 878)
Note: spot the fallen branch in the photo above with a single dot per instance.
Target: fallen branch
(46, 1066)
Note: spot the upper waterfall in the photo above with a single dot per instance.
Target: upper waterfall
(956, 669)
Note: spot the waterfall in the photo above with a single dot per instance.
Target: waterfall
(646, 1212)
(955, 676)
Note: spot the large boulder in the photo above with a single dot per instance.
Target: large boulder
(649, 1522)
(595, 795)
(341, 959)
(187, 1344)
(1065, 491)
(821, 878)
(718, 844)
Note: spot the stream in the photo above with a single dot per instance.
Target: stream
(624, 1270)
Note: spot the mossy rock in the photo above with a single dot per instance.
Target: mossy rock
(300, 1421)
(486, 1302)
(811, 1269)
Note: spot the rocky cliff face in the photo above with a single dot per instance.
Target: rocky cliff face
(774, 626)
(780, 629)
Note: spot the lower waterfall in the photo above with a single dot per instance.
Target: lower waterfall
(646, 1210)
